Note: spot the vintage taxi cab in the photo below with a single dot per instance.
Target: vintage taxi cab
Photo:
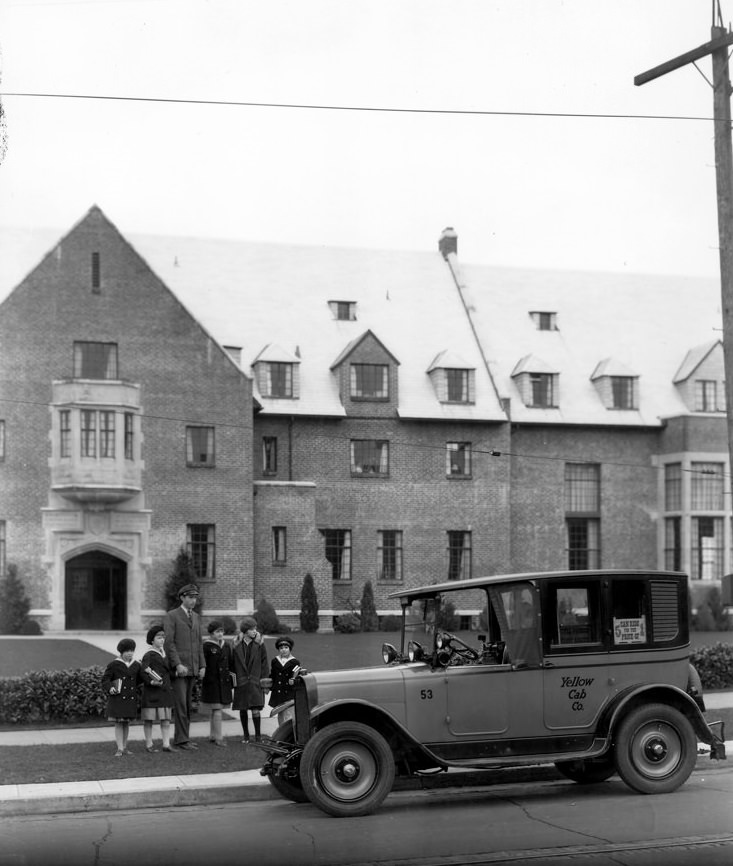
(588, 670)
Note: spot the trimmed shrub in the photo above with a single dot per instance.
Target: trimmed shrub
(230, 627)
(15, 603)
(52, 696)
(30, 626)
(369, 618)
(181, 573)
(308, 605)
(266, 616)
(347, 623)
(714, 664)
(390, 622)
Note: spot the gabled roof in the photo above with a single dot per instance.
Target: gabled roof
(533, 364)
(612, 367)
(449, 360)
(693, 359)
(272, 353)
(350, 347)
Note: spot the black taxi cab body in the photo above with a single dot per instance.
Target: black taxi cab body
(588, 670)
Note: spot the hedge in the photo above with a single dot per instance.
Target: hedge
(52, 696)
(715, 665)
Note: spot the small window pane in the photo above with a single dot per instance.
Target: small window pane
(707, 486)
(88, 433)
(338, 552)
(369, 457)
(269, 455)
(370, 381)
(279, 547)
(106, 434)
(201, 549)
(673, 487)
(200, 446)
(459, 555)
(457, 382)
(95, 360)
(582, 488)
(389, 554)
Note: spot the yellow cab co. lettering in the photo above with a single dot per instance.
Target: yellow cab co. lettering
(576, 689)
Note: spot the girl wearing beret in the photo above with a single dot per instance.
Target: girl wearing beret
(120, 683)
(249, 663)
(216, 687)
(283, 669)
(157, 697)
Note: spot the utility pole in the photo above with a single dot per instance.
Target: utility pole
(720, 39)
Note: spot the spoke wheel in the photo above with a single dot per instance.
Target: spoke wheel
(656, 749)
(288, 786)
(347, 769)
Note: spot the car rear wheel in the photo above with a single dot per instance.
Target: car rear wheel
(656, 749)
(287, 785)
(347, 769)
(588, 772)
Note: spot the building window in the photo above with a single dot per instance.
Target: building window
(542, 391)
(95, 360)
(200, 544)
(369, 457)
(106, 434)
(583, 543)
(200, 446)
(88, 433)
(279, 548)
(344, 311)
(582, 488)
(370, 381)
(278, 379)
(2, 548)
(338, 552)
(389, 554)
(129, 436)
(544, 321)
(673, 543)
(673, 487)
(2, 439)
(707, 548)
(707, 486)
(457, 385)
(706, 396)
(458, 459)
(623, 392)
(65, 433)
(96, 272)
(269, 455)
(459, 554)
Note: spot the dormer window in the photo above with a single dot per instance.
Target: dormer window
(454, 381)
(95, 360)
(616, 384)
(277, 373)
(537, 383)
(708, 396)
(369, 381)
(544, 321)
(343, 311)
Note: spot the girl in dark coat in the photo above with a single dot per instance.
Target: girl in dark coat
(120, 683)
(283, 669)
(157, 697)
(216, 687)
(249, 663)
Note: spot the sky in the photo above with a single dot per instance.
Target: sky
(377, 124)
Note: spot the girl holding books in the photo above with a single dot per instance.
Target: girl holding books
(216, 687)
(120, 683)
(157, 697)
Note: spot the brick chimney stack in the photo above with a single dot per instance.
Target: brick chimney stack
(448, 242)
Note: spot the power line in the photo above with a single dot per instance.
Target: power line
(407, 443)
(366, 108)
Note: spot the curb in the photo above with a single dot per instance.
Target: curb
(239, 787)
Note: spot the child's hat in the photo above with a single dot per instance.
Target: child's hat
(152, 632)
(127, 643)
(288, 641)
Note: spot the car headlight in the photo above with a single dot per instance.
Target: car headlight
(441, 640)
(415, 651)
(389, 653)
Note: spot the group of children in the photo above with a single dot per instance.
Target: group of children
(147, 683)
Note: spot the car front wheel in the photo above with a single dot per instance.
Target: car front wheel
(656, 749)
(347, 769)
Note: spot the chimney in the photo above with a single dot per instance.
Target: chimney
(448, 242)
(235, 353)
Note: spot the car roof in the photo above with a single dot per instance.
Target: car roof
(534, 576)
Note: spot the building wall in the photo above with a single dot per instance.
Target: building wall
(184, 377)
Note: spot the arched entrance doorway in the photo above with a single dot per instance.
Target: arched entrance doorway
(96, 592)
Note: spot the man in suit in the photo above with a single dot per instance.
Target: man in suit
(184, 648)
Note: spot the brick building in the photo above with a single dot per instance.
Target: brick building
(356, 415)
